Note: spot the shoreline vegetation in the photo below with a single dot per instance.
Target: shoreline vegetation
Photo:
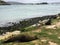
(43, 30)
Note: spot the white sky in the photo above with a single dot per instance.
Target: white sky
(28, 1)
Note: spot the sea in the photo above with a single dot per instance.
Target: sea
(13, 13)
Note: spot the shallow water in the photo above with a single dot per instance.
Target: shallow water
(9, 13)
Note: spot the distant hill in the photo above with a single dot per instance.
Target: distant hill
(19, 3)
(44, 3)
(56, 3)
(14, 3)
(4, 3)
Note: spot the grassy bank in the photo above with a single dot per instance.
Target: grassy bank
(45, 36)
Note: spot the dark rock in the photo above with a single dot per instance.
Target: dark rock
(21, 38)
(59, 14)
(44, 3)
(48, 22)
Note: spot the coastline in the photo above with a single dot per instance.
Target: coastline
(45, 30)
(28, 22)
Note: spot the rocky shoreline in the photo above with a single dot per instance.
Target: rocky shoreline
(37, 21)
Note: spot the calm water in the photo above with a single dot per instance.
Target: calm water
(18, 12)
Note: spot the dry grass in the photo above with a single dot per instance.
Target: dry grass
(45, 36)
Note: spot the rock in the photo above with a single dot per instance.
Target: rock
(51, 27)
(59, 14)
(59, 37)
(58, 25)
(52, 43)
(17, 36)
(46, 22)
(16, 32)
(36, 25)
(44, 40)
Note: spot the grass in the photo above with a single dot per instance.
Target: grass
(54, 21)
(47, 34)
(30, 28)
(41, 35)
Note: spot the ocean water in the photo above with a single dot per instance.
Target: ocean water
(11, 13)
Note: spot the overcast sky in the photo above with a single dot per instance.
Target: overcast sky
(29, 1)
